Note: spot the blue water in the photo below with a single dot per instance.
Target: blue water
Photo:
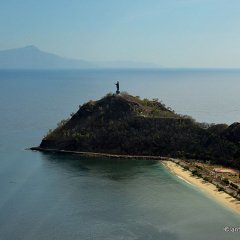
(50, 196)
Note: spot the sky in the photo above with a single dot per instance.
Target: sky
(171, 33)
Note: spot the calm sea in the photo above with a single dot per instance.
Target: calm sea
(50, 196)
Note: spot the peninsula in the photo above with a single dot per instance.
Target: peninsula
(121, 124)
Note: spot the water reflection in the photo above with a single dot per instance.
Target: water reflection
(112, 169)
(105, 198)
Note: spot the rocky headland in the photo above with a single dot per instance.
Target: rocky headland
(121, 124)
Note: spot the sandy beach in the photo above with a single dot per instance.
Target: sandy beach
(208, 188)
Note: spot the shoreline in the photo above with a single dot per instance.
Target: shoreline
(209, 188)
(94, 154)
(185, 175)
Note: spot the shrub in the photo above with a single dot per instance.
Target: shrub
(50, 131)
(221, 189)
(199, 167)
(186, 167)
(194, 172)
(145, 102)
(232, 194)
(238, 192)
(108, 95)
(63, 122)
(138, 110)
(91, 102)
(124, 93)
(155, 111)
(207, 179)
(199, 175)
(226, 181)
(234, 185)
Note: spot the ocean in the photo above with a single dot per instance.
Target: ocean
(52, 196)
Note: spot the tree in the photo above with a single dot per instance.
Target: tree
(194, 172)
(226, 181)
(232, 194)
(50, 131)
(145, 102)
(238, 192)
(207, 179)
(221, 189)
(186, 167)
(62, 123)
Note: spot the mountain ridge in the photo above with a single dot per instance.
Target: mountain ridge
(31, 57)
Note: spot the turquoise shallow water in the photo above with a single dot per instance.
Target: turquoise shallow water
(51, 196)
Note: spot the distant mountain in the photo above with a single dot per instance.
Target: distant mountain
(127, 64)
(32, 57)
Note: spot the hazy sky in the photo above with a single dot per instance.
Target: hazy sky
(172, 33)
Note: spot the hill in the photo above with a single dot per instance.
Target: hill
(123, 124)
(32, 57)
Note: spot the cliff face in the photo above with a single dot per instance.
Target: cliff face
(123, 124)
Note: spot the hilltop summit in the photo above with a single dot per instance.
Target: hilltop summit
(106, 125)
